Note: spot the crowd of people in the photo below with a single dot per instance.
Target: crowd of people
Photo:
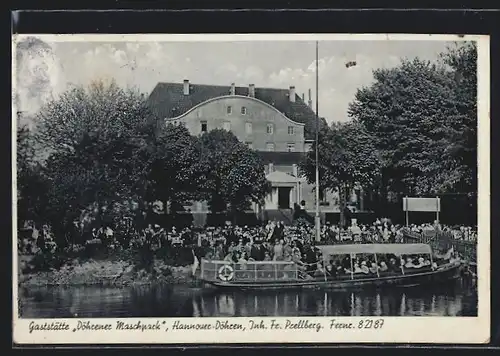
(277, 241)
(295, 243)
(276, 232)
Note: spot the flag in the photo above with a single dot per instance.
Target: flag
(196, 263)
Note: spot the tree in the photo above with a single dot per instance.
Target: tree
(347, 157)
(176, 172)
(415, 114)
(103, 111)
(97, 139)
(235, 174)
(462, 59)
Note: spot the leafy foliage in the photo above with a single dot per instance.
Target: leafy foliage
(234, 173)
(176, 172)
(101, 112)
(346, 155)
(423, 122)
(96, 139)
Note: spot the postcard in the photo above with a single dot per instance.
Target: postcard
(271, 188)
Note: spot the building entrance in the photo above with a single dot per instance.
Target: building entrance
(284, 197)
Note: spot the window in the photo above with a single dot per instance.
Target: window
(204, 126)
(243, 110)
(249, 145)
(291, 130)
(270, 147)
(270, 129)
(227, 125)
(229, 110)
(290, 147)
(248, 127)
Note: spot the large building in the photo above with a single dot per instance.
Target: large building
(277, 123)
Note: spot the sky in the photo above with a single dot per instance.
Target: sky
(46, 68)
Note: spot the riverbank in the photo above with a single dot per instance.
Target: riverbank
(114, 273)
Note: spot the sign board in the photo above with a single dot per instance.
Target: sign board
(422, 204)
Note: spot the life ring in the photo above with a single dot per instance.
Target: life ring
(226, 273)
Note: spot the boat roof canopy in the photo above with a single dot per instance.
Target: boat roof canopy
(397, 249)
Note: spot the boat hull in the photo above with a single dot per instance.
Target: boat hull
(444, 273)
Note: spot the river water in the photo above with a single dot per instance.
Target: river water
(458, 298)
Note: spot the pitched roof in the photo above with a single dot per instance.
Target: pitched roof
(168, 100)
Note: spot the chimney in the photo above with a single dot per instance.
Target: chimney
(271, 168)
(251, 90)
(310, 102)
(233, 89)
(303, 97)
(186, 87)
(295, 170)
(292, 94)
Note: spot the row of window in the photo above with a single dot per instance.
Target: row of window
(270, 147)
(227, 127)
(248, 128)
(229, 110)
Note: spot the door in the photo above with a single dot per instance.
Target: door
(284, 197)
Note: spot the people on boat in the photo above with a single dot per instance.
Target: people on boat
(364, 268)
(319, 271)
(409, 263)
(257, 251)
(356, 269)
(278, 250)
(267, 256)
(383, 267)
(295, 246)
(243, 259)
(393, 265)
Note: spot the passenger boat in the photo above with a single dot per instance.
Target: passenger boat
(267, 275)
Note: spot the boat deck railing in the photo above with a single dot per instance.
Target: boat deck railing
(249, 271)
(443, 240)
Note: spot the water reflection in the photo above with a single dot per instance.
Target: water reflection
(161, 301)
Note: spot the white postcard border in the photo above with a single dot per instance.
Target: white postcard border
(455, 330)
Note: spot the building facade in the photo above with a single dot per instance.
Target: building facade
(276, 123)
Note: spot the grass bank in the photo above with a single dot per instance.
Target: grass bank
(103, 272)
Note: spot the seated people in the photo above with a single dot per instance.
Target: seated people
(364, 268)
(357, 268)
(373, 268)
(320, 271)
(383, 267)
(409, 263)
(420, 263)
(331, 270)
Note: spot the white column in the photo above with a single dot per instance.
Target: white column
(274, 199)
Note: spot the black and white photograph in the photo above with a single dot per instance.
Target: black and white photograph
(293, 177)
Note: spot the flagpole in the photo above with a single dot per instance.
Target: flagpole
(318, 221)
